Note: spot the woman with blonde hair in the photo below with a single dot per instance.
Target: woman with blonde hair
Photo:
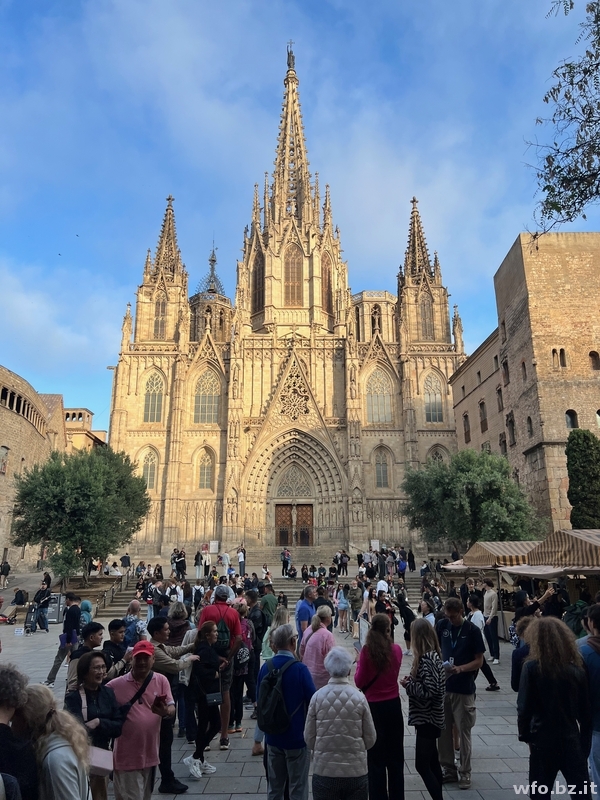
(377, 677)
(316, 644)
(368, 607)
(426, 690)
(554, 713)
(61, 745)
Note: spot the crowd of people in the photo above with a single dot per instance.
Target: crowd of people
(193, 659)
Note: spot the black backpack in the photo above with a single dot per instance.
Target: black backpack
(272, 715)
(223, 637)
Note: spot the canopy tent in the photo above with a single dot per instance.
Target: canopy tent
(455, 566)
(490, 555)
(568, 548)
(545, 572)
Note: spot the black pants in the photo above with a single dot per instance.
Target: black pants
(386, 758)
(343, 569)
(545, 764)
(164, 749)
(209, 724)
(237, 706)
(284, 568)
(427, 762)
(491, 635)
(487, 671)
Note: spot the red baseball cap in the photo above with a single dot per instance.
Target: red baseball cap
(143, 647)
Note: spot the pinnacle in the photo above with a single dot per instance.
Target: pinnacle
(416, 259)
(168, 256)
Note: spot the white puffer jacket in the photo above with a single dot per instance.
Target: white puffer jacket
(339, 730)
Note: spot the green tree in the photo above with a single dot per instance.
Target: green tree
(568, 170)
(469, 499)
(583, 468)
(81, 506)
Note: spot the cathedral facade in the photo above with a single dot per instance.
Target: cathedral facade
(290, 415)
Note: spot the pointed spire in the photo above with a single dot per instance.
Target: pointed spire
(168, 257)
(327, 207)
(256, 208)
(266, 202)
(317, 201)
(416, 260)
(291, 178)
(211, 284)
(148, 266)
(437, 270)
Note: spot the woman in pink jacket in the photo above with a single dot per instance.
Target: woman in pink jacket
(316, 645)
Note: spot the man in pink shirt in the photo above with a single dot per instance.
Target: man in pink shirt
(136, 751)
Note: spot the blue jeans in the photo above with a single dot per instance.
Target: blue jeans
(595, 758)
(41, 619)
(291, 766)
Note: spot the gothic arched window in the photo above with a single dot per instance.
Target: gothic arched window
(160, 316)
(153, 399)
(258, 283)
(381, 470)
(293, 276)
(205, 470)
(571, 419)
(379, 397)
(327, 296)
(357, 315)
(427, 319)
(433, 399)
(149, 469)
(206, 401)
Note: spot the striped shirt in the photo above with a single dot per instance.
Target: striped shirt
(426, 691)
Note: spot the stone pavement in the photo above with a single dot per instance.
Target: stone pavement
(499, 759)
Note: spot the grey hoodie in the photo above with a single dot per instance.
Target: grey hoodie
(61, 776)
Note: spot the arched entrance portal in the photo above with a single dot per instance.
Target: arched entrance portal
(294, 509)
(295, 488)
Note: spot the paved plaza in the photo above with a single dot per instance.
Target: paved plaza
(499, 759)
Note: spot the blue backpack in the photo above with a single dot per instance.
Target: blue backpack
(131, 634)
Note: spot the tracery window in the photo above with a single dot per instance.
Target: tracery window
(160, 316)
(379, 397)
(258, 283)
(153, 399)
(381, 470)
(206, 401)
(427, 319)
(205, 470)
(149, 469)
(433, 399)
(294, 484)
(326, 292)
(293, 277)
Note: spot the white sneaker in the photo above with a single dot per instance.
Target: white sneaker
(189, 760)
(495, 661)
(408, 652)
(200, 768)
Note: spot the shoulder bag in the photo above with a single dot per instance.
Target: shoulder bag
(101, 761)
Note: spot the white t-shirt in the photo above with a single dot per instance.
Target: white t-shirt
(382, 585)
(478, 619)
(241, 557)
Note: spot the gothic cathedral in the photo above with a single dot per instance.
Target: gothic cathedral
(289, 416)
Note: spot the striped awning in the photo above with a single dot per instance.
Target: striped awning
(486, 555)
(565, 548)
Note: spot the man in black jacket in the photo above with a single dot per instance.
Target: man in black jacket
(72, 618)
(42, 601)
(115, 651)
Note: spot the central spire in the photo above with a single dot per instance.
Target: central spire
(291, 194)
(416, 259)
(168, 256)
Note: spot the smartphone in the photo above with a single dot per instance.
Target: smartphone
(162, 698)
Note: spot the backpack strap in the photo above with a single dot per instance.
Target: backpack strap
(139, 694)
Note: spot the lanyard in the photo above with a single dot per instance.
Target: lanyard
(453, 642)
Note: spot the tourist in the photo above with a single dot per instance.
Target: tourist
(168, 661)
(268, 602)
(285, 562)
(343, 606)
(225, 562)
(226, 647)
(69, 636)
(260, 624)
(96, 707)
(377, 677)
(407, 615)
(520, 653)
(282, 599)
(241, 556)
(207, 562)
(135, 627)
(136, 752)
(305, 612)
(428, 611)
(114, 650)
(476, 617)
(241, 669)
(41, 599)
(4, 573)
(384, 606)
(590, 651)
(91, 634)
(355, 599)
(368, 607)
(316, 644)
(425, 686)
(287, 756)
(292, 572)
(462, 642)
(198, 564)
(490, 613)
(410, 560)
(525, 606)
(204, 681)
(16, 754)
(554, 713)
(60, 742)
(339, 730)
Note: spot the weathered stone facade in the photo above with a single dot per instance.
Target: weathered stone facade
(542, 365)
(290, 415)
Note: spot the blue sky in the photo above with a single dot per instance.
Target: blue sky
(107, 107)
